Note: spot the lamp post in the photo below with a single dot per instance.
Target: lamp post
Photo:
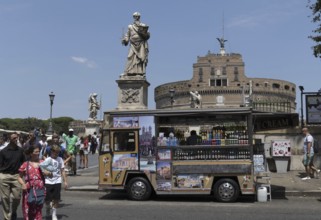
(172, 93)
(51, 98)
(301, 89)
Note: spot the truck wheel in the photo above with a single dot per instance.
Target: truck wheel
(139, 188)
(226, 190)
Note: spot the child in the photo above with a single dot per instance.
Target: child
(55, 165)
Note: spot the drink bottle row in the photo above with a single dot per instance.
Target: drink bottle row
(211, 154)
(220, 136)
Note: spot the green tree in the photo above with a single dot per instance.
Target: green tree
(29, 124)
(316, 18)
(61, 124)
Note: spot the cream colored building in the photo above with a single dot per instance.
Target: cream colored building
(221, 81)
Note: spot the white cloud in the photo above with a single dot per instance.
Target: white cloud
(83, 60)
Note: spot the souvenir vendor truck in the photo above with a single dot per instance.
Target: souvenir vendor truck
(153, 151)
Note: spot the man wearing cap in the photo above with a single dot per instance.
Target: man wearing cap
(71, 141)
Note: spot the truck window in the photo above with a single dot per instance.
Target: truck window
(124, 141)
(105, 144)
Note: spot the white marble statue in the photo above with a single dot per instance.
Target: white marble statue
(196, 100)
(94, 106)
(137, 35)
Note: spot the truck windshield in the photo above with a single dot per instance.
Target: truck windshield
(124, 141)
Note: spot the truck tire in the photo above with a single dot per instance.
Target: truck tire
(226, 190)
(139, 189)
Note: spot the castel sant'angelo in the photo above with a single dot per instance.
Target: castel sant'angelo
(220, 80)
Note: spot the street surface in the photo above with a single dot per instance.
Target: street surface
(115, 205)
(100, 205)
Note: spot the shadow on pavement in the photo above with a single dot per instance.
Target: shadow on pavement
(121, 195)
(278, 192)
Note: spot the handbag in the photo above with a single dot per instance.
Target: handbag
(35, 196)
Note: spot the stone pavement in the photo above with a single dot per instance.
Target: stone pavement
(290, 184)
(283, 184)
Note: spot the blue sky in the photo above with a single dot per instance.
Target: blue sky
(73, 47)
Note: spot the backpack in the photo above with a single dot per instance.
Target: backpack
(94, 141)
(315, 146)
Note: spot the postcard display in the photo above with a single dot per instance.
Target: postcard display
(185, 166)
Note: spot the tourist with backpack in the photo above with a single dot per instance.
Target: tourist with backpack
(308, 157)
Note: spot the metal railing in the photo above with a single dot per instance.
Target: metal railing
(267, 106)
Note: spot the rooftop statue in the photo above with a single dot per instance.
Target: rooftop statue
(137, 35)
(196, 100)
(222, 42)
(94, 106)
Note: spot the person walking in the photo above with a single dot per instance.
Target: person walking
(11, 158)
(31, 176)
(43, 144)
(308, 154)
(81, 153)
(94, 143)
(86, 151)
(63, 153)
(55, 165)
(71, 141)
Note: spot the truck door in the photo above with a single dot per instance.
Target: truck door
(125, 153)
(105, 159)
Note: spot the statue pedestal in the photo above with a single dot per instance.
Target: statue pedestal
(132, 93)
(92, 126)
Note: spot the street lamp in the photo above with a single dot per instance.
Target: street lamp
(302, 90)
(51, 98)
(172, 93)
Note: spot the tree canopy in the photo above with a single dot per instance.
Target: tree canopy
(316, 18)
(28, 124)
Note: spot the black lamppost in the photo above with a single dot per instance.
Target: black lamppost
(302, 90)
(172, 93)
(51, 98)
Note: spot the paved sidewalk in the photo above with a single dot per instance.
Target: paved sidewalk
(291, 184)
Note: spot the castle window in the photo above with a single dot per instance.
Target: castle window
(224, 82)
(286, 87)
(200, 74)
(275, 86)
(266, 84)
(212, 71)
(293, 89)
(224, 70)
(236, 74)
(218, 82)
(257, 85)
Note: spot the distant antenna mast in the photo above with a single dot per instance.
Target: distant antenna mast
(223, 26)
(222, 40)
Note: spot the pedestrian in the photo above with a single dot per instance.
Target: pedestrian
(31, 140)
(71, 141)
(43, 144)
(81, 153)
(308, 154)
(86, 151)
(11, 158)
(63, 153)
(31, 177)
(55, 165)
(94, 143)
